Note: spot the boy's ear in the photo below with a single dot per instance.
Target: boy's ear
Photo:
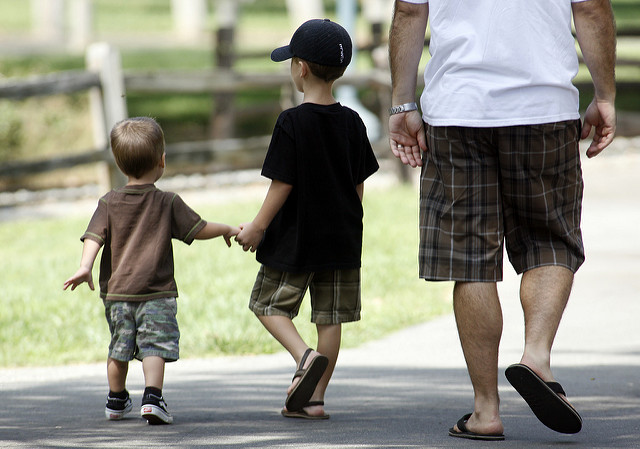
(304, 68)
(162, 160)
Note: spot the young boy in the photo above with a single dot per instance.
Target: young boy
(308, 232)
(135, 224)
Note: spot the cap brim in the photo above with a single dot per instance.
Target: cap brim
(281, 54)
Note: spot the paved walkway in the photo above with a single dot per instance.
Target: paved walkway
(403, 391)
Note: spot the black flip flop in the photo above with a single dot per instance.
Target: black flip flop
(301, 414)
(544, 400)
(466, 433)
(309, 378)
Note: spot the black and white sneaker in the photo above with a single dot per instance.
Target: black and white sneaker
(116, 408)
(154, 410)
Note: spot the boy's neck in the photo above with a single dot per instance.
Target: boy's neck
(318, 92)
(148, 178)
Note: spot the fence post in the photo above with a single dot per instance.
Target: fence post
(301, 11)
(189, 18)
(48, 20)
(108, 106)
(376, 13)
(80, 24)
(223, 120)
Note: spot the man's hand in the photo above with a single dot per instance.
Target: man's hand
(601, 116)
(407, 138)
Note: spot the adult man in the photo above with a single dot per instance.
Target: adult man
(500, 161)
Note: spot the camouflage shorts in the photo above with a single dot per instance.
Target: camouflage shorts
(141, 329)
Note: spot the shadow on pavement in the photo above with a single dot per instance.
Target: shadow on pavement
(370, 406)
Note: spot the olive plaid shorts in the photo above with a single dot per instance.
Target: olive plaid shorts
(335, 295)
(480, 187)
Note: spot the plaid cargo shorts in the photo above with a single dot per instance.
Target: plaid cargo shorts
(335, 295)
(480, 187)
(141, 329)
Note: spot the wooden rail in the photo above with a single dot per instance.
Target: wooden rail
(51, 84)
(108, 85)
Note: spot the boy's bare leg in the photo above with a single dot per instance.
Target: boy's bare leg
(283, 330)
(479, 319)
(153, 368)
(117, 374)
(544, 293)
(329, 337)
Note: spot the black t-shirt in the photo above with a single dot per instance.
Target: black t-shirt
(324, 153)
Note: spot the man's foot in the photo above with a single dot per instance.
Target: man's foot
(154, 410)
(470, 425)
(312, 410)
(546, 399)
(460, 430)
(117, 407)
(304, 382)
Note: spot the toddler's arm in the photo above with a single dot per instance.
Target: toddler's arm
(251, 233)
(89, 254)
(213, 230)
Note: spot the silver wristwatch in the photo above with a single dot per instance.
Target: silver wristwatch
(403, 108)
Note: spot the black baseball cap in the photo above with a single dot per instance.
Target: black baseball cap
(320, 41)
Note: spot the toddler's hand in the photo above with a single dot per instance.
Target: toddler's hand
(82, 275)
(233, 231)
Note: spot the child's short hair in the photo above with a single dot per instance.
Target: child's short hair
(327, 73)
(138, 145)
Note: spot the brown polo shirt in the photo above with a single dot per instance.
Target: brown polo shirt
(136, 224)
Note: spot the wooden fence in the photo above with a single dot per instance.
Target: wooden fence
(107, 85)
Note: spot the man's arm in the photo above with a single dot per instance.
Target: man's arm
(406, 43)
(596, 34)
(251, 234)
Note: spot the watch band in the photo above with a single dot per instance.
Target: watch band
(403, 108)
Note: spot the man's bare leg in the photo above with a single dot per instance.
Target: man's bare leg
(544, 293)
(479, 319)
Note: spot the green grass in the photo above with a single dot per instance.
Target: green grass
(42, 325)
(627, 13)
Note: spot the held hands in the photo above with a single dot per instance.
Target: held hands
(233, 231)
(407, 138)
(82, 275)
(249, 237)
(600, 115)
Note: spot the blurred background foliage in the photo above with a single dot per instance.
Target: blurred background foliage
(142, 29)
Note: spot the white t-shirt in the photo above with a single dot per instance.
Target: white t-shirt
(500, 63)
